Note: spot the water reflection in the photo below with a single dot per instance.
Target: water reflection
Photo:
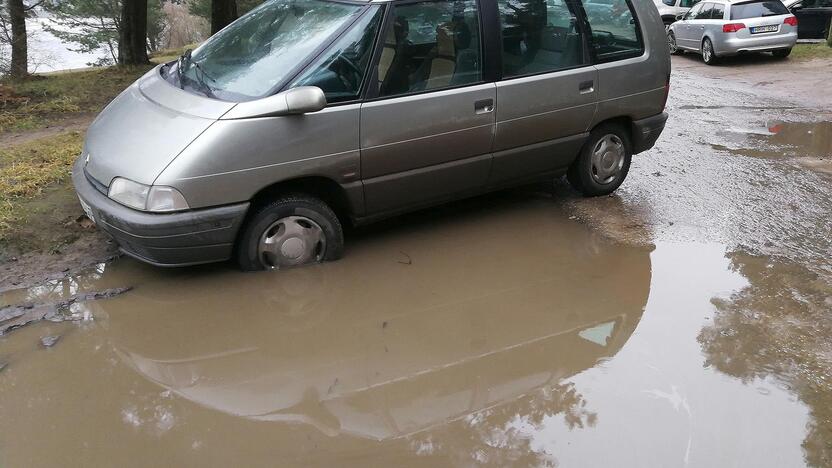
(383, 349)
(778, 327)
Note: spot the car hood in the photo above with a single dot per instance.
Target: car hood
(138, 134)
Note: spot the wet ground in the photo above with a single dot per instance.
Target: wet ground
(684, 321)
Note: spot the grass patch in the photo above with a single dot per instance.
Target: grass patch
(39, 100)
(42, 99)
(27, 170)
(811, 51)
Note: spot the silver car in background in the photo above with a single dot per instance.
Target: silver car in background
(725, 27)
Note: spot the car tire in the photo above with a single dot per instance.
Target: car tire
(782, 53)
(600, 171)
(293, 230)
(671, 43)
(708, 53)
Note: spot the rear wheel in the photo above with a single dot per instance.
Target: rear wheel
(291, 231)
(708, 54)
(603, 162)
(782, 53)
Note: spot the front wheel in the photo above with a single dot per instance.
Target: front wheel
(291, 231)
(603, 162)
(671, 43)
(708, 54)
(782, 53)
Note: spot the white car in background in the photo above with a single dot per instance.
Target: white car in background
(670, 9)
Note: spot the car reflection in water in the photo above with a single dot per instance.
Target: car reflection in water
(410, 331)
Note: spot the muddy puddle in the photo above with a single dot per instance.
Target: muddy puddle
(809, 143)
(497, 332)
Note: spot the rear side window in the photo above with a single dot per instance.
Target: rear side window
(615, 32)
(539, 36)
(758, 9)
(718, 11)
(706, 11)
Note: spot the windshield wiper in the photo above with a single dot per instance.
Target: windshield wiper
(199, 75)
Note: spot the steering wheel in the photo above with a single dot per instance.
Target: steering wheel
(354, 80)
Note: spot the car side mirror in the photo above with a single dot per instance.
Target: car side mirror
(680, 17)
(300, 100)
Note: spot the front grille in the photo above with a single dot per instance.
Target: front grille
(98, 185)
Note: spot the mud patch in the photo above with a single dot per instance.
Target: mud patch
(16, 316)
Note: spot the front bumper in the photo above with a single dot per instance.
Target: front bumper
(647, 131)
(169, 240)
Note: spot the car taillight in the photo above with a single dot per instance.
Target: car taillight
(732, 27)
(791, 21)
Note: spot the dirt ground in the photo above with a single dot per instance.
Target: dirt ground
(682, 321)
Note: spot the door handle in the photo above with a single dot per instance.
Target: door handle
(484, 106)
(586, 87)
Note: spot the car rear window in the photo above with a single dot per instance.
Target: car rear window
(758, 9)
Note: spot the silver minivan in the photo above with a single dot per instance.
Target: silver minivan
(305, 115)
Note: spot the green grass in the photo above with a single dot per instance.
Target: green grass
(43, 99)
(811, 51)
(28, 169)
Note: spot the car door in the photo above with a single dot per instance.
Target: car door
(698, 24)
(685, 29)
(546, 99)
(427, 130)
(813, 18)
(713, 26)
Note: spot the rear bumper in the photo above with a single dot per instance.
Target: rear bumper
(762, 43)
(647, 131)
(169, 240)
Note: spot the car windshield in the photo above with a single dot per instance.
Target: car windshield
(256, 53)
(758, 9)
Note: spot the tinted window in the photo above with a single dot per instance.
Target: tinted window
(705, 13)
(817, 3)
(539, 36)
(669, 2)
(688, 3)
(430, 45)
(615, 33)
(758, 9)
(718, 12)
(694, 12)
(340, 71)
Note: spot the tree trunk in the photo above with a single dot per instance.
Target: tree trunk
(20, 49)
(223, 12)
(132, 44)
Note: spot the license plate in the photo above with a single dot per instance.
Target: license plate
(87, 210)
(764, 29)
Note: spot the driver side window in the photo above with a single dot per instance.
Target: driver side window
(429, 46)
(341, 70)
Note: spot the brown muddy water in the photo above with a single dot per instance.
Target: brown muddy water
(809, 143)
(496, 332)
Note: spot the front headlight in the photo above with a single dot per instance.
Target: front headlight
(157, 199)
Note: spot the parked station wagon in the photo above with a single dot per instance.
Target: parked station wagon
(304, 115)
(728, 27)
